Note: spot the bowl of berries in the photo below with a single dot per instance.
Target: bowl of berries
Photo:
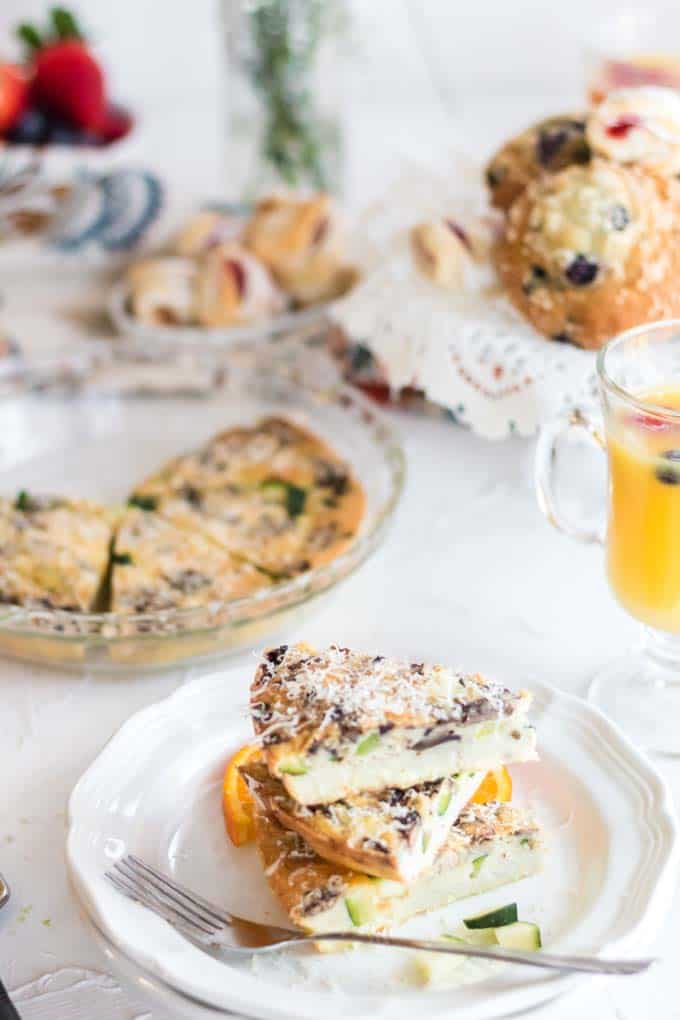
(58, 95)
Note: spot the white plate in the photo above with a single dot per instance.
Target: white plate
(155, 791)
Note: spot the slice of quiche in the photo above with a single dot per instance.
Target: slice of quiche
(158, 566)
(335, 723)
(273, 495)
(283, 529)
(392, 834)
(489, 846)
(54, 552)
(248, 456)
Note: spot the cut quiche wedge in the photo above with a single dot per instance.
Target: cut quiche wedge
(54, 552)
(393, 834)
(273, 495)
(157, 566)
(247, 456)
(489, 846)
(335, 723)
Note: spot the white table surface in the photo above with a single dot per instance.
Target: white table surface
(470, 574)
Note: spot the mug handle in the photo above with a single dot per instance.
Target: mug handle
(546, 449)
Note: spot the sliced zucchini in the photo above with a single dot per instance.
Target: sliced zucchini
(368, 744)
(359, 910)
(479, 937)
(485, 730)
(444, 802)
(476, 865)
(519, 935)
(293, 767)
(493, 918)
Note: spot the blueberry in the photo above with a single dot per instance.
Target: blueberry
(619, 217)
(668, 475)
(581, 271)
(30, 129)
(671, 454)
(494, 176)
(550, 141)
(61, 132)
(536, 278)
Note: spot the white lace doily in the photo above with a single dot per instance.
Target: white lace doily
(468, 351)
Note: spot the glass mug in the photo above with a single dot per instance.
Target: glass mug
(639, 384)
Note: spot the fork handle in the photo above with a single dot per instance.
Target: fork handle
(549, 961)
(7, 1010)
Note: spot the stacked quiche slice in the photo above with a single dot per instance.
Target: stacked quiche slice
(366, 793)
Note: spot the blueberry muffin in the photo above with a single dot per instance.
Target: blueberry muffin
(546, 147)
(591, 251)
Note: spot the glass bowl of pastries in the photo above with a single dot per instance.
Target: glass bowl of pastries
(234, 275)
(150, 519)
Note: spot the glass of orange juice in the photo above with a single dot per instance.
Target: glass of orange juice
(639, 428)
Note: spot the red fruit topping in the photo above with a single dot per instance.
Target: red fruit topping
(69, 82)
(117, 124)
(13, 95)
(320, 231)
(649, 421)
(238, 272)
(460, 233)
(380, 392)
(621, 127)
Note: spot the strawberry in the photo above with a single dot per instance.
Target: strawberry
(117, 124)
(67, 80)
(13, 95)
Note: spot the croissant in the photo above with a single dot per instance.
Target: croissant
(440, 250)
(163, 291)
(233, 288)
(206, 229)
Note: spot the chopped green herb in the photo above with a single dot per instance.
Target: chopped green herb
(143, 502)
(525, 841)
(23, 501)
(295, 500)
(368, 744)
(46, 922)
(291, 495)
(122, 559)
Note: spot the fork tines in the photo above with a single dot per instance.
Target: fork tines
(167, 898)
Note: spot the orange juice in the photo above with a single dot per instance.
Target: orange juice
(643, 537)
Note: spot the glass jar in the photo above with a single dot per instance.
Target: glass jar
(283, 91)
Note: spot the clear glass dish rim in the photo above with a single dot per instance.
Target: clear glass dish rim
(133, 330)
(64, 626)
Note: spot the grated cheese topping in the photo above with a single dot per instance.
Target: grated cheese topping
(336, 695)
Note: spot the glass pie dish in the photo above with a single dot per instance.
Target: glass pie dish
(92, 425)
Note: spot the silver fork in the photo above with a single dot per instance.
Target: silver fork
(220, 933)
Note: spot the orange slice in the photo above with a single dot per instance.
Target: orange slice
(236, 802)
(496, 785)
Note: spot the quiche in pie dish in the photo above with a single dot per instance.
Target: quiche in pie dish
(251, 507)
